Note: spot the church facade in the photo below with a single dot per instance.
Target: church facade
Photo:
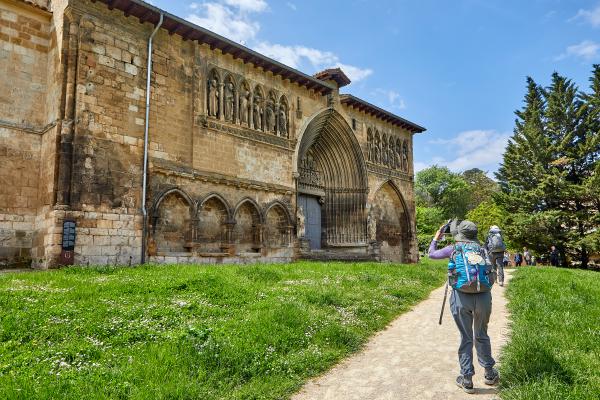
(247, 159)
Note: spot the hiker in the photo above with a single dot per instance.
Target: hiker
(518, 259)
(553, 256)
(527, 256)
(471, 299)
(506, 259)
(495, 247)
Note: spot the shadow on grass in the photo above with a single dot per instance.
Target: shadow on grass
(537, 363)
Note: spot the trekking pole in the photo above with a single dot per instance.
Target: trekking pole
(444, 302)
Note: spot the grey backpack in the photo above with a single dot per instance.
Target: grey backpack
(495, 243)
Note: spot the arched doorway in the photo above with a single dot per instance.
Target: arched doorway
(392, 221)
(332, 183)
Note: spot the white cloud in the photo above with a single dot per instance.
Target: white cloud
(223, 20)
(420, 166)
(248, 5)
(234, 20)
(393, 98)
(588, 50)
(481, 149)
(591, 17)
(302, 56)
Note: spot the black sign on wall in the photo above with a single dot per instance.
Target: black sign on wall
(68, 238)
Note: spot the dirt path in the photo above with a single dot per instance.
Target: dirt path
(414, 358)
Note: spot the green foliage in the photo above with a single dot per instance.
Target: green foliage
(486, 214)
(429, 220)
(549, 175)
(482, 187)
(193, 332)
(441, 188)
(554, 348)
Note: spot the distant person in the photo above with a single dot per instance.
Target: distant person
(494, 244)
(533, 260)
(527, 256)
(506, 259)
(518, 259)
(553, 256)
(471, 299)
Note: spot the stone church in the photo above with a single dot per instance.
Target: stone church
(208, 152)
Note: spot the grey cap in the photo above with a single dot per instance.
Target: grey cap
(466, 231)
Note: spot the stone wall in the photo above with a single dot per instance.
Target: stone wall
(24, 46)
(221, 187)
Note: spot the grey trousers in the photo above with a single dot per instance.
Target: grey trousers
(497, 259)
(471, 312)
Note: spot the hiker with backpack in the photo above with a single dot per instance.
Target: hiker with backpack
(495, 247)
(471, 277)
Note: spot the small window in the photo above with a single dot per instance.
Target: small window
(354, 123)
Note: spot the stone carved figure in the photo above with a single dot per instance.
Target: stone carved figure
(269, 117)
(390, 151)
(376, 149)
(213, 98)
(257, 113)
(405, 156)
(369, 146)
(229, 102)
(300, 223)
(244, 110)
(384, 147)
(371, 226)
(398, 155)
(283, 130)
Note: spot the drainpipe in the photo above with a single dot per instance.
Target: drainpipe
(145, 174)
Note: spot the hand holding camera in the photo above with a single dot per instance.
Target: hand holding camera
(439, 236)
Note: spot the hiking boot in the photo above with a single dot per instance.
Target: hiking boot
(491, 376)
(501, 283)
(466, 383)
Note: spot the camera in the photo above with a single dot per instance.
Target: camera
(446, 228)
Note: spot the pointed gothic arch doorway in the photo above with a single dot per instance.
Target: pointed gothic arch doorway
(332, 183)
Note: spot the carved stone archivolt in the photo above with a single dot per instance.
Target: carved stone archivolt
(236, 101)
(329, 159)
(388, 150)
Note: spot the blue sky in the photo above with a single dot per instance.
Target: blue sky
(456, 67)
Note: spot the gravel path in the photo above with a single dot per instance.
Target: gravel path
(413, 358)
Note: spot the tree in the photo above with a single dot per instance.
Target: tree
(550, 166)
(439, 187)
(486, 214)
(482, 187)
(429, 220)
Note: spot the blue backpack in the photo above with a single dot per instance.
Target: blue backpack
(469, 270)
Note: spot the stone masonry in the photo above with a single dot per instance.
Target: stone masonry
(236, 143)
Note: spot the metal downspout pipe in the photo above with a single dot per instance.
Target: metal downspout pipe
(145, 173)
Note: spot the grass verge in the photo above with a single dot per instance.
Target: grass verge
(554, 351)
(179, 332)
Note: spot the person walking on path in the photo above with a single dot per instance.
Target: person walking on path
(527, 256)
(506, 259)
(471, 311)
(518, 259)
(553, 256)
(495, 247)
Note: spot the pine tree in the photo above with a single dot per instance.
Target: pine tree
(549, 175)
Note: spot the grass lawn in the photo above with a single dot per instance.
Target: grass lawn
(554, 352)
(194, 332)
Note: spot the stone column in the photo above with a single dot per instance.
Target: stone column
(251, 112)
(221, 114)
(68, 104)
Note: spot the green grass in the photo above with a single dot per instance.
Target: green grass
(192, 332)
(554, 351)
